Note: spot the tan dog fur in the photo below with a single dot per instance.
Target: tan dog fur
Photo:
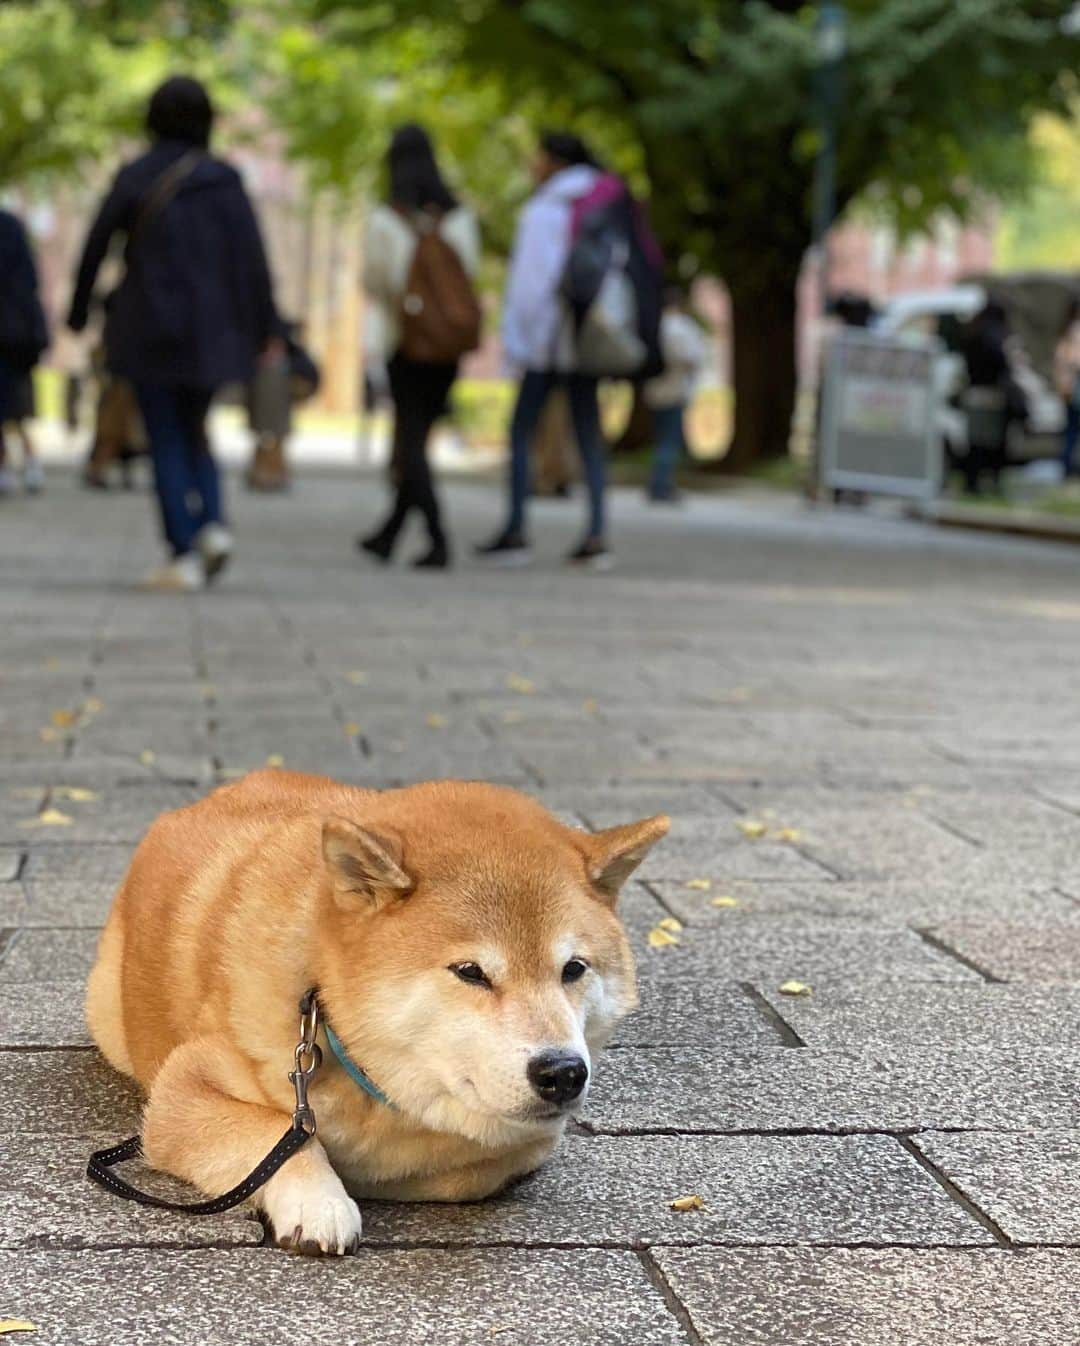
(234, 906)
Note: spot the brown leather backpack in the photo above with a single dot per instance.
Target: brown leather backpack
(440, 313)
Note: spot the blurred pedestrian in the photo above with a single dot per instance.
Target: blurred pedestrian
(285, 378)
(194, 311)
(1067, 381)
(538, 342)
(21, 411)
(421, 250)
(582, 302)
(682, 347)
(23, 338)
(993, 400)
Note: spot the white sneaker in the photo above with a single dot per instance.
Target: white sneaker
(184, 575)
(33, 477)
(215, 544)
(9, 483)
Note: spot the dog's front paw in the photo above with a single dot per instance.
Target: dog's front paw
(312, 1214)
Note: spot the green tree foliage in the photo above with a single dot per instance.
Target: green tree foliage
(74, 78)
(717, 99)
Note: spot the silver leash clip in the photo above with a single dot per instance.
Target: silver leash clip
(307, 1050)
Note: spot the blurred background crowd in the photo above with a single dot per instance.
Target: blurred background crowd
(905, 167)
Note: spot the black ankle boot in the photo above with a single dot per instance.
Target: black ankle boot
(378, 545)
(437, 557)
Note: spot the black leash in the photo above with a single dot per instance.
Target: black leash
(102, 1162)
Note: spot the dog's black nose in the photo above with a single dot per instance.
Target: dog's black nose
(558, 1077)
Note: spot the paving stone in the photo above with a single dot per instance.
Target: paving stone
(908, 903)
(768, 953)
(46, 1014)
(57, 904)
(11, 859)
(122, 814)
(757, 1189)
(785, 1089)
(68, 1093)
(680, 1012)
(875, 1297)
(1018, 950)
(49, 955)
(48, 1202)
(1010, 1019)
(1029, 1184)
(93, 862)
(516, 1297)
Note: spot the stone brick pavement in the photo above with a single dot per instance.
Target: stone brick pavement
(893, 1159)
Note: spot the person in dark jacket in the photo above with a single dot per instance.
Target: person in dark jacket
(992, 400)
(195, 310)
(23, 333)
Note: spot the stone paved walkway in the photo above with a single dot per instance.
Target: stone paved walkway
(893, 1159)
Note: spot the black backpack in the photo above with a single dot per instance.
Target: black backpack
(611, 285)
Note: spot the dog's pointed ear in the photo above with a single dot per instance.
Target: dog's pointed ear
(362, 863)
(615, 853)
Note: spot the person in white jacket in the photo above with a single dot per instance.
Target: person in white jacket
(537, 339)
(419, 200)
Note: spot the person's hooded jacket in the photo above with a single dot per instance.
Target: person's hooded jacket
(535, 331)
(195, 306)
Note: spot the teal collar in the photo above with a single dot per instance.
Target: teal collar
(353, 1071)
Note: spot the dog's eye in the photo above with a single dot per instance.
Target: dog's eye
(574, 970)
(473, 973)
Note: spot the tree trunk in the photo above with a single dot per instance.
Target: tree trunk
(763, 331)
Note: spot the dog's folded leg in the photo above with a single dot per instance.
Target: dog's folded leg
(198, 1126)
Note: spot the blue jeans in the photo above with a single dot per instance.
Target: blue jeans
(668, 426)
(1072, 433)
(535, 389)
(185, 474)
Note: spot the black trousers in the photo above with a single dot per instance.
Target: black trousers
(419, 392)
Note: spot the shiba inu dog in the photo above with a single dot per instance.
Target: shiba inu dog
(467, 959)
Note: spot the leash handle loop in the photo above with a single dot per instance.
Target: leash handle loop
(102, 1162)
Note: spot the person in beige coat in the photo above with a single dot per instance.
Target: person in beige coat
(419, 201)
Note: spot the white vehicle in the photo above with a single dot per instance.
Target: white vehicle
(943, 314)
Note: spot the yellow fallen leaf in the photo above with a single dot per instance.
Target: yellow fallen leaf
(512, 717)
(590, 705)
(75, 793)
(15, 1325)
(787, 834)
(62, 718)
(723, 901)
(699, 885)
(517, 683)
(436, 721)
(92, 705)
(49, 734)
(356, 676)
(693, 1202)
(147, 757)
(352, 728)
(275, 759)
(49, 818)
(209, 691)
(52, 662)
(795, 988)
(669, 923)
(751, 827)
(659, 939)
